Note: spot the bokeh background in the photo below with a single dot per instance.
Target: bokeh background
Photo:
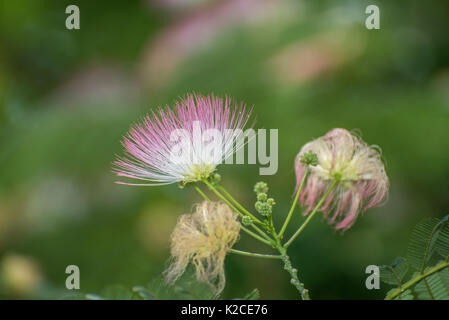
(67, 97)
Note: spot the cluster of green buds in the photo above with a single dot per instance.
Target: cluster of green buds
(264, 205)
(309, 158)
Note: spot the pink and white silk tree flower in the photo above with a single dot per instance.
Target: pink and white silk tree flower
(185, 144)
(357, 169)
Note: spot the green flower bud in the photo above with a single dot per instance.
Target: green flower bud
(261, 187)
(246, 221)
(258, 206)
(262, 197)
(271, 201)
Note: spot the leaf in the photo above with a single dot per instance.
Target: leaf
(92, 296)
(390, 292)
(115, 292)
(442, 243)
(253, 295)
(437, 286)
(394, 272)
(185, 288)
(444, 277)
(143, 293)
(421, 243)
(429, 242)
(406, 295)
(432, 287)
(185, 291)
(432, 284)
(422, 291)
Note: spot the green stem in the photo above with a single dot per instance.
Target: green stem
(293, 273)
(238, 205)
(255, 255)
(214, 190)
(292, 209)
(417, 279)
(201, 192)
(310, 216)
(256, 236)
(289, 268)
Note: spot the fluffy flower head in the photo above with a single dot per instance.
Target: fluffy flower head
(204, 238)
(358, 169)
(183, 144)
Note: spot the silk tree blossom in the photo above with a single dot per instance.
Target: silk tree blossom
(204, 238)
(356, 167)
(185, 144)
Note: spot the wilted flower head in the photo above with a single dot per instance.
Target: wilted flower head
(204, 238)
(184, 144)
(358, 169)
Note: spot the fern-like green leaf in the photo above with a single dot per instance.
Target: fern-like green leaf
(422, 289)
(429, 243)
(444, 277)
(431, 284)
(432, 287)
(442, 242)
(437, 286)
(253, 295)
(114, 292)
(406, 295)
(93, 296)
(394, 272)
(185, 288)
(421, 244)
(143, 293)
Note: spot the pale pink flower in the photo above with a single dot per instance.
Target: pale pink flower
(358, 168)
(185, 144)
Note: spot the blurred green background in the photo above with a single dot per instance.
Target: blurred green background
(67, 97)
